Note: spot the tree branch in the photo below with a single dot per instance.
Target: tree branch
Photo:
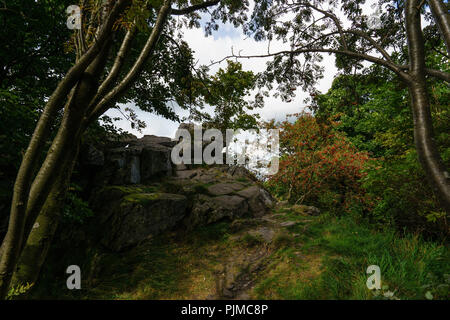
(127, 81)
(333, 17)
(392, 66)
(441, 75)
(193, 8)
(115, 69)
(442, 18)
(14, 236)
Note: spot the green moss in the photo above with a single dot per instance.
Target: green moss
(142, 198)
(132, 189)
(243, 180)
(198, 188)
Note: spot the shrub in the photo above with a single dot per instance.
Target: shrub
(318, 165)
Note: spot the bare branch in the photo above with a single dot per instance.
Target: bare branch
(372, 42)
(392, 66)
(441, 75)
(117, 66)
(127, 81)
(445, 76)
(193, 8)
(333, 17)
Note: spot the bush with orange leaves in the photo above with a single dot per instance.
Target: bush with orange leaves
(319, 165)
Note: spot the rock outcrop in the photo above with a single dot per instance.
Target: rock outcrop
(139, 193)
(127, 216)
(130, 160)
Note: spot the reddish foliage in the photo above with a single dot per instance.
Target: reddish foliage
(316, 159)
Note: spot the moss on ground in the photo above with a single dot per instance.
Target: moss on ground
(141, 198)
(133, 189)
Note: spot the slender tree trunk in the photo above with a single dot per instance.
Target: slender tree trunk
(30, 196)
(35, 251)
(66, 139)
(62, 151)
(13, 241)
(423, 128)
(440, 13)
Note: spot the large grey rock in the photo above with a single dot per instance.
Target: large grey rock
(186, 174)
(152, 140)
(139, 216)
(260, 201)
(224, 188)
(196, 197)
(240, 172)
(216, 182)
(136, 161)
(155, 161)
(208, 209)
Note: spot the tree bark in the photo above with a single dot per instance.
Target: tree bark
(40, 195)
(441, 16)
(66, 139)
(423, 129)
(12, 243)
(35, 251)
(54, 166)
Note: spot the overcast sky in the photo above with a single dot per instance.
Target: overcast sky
(216, 47)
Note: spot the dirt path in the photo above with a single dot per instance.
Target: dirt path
(237, 277)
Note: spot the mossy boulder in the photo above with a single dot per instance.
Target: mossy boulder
(127, 217)
(128, 214)
(207, 209)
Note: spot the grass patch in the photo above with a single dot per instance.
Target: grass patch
(410, 267)
(282, 239)
(250, 240)
(320, 257)
(243, 180)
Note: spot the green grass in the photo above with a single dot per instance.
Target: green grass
(317, 258)
(335, 254)
(251, 240)
(172, 266)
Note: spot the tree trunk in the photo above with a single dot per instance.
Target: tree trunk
(62, 145)
(13, 242)
(38, 243)
(441, 16)
(423, 128)
(30, 196)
